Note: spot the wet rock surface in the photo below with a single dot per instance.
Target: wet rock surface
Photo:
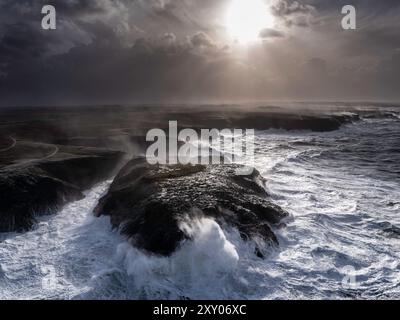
(148, 203)
(49, 155)
(40, 186)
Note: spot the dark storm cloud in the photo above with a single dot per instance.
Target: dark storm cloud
(372, 6)
(168, 10)
(271, 33)
(293, 13)
(202, 40)
(109, 51)
(105, 70)
(291, 7)
(20, 42)
(81, 8)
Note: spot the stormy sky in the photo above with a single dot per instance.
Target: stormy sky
(186, 51)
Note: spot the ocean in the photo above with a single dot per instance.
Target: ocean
(341, 241)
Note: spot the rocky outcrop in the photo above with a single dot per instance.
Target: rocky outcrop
(259, 119)
(148, 202)
(313, 122)
(41, 187)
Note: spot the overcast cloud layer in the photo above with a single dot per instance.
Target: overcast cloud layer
(167, 51)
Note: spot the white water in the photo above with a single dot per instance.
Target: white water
(73, 255)
(58, 258)
(342, 190)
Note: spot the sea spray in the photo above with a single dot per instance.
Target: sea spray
(342, 192)
(199, 266)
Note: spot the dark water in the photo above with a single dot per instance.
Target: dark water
(342, 189)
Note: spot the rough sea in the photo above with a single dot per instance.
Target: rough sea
(342, 240)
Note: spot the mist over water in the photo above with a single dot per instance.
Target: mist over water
(342, 189)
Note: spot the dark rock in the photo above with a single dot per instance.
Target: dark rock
(41, 187)
(392, 231)
(392, 204)
(29, 192)
(318, 123)
(147, 202)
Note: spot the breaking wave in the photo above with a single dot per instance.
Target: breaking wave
(342, 189)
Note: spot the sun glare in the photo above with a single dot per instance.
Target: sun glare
(246, 18)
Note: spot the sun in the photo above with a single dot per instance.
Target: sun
(246, 18)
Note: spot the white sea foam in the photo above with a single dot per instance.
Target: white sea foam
(341, 188)
(199, 269)
(57, 259)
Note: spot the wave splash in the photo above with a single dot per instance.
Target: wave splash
(340, 187)
(200, 268)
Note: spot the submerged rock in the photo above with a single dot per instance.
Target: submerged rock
(41, 187)
(148, 203)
